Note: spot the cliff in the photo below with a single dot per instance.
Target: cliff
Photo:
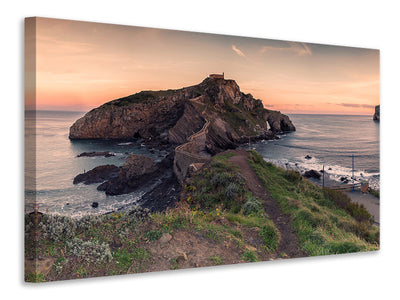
(377, 114)
(167, 118)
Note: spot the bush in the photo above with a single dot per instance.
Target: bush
(293, 176)
(225, 178)
(57, 228)
(252, 205)
(90, 250)
(340, 199)
(231, 190)
(357, 211)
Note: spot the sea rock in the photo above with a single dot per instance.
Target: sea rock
(377, 114)
(136, 171)
(164, 195)
(279, 122)
(307, 157)
(98, 174)
(312, 174)
(92, 154)
(136, 166)
(344, 179)
(95, 204)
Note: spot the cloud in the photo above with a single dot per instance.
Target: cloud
(237, 51)
(298, 49)
(355, 105)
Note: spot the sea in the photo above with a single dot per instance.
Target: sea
(344, 147)
(51, 162)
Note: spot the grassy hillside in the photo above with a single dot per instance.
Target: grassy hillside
(217, 221)
(325, 220)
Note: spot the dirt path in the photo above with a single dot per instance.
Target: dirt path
(289, 242)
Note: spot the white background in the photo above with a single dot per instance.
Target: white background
(370, 24)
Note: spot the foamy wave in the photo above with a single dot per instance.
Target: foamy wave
(335, 173)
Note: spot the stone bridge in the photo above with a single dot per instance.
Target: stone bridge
(188, 154)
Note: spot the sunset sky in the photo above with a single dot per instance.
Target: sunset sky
(81, 65)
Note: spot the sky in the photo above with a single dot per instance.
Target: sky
(73, 65)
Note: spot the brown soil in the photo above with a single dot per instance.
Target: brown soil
(189, 248)
(289, 242)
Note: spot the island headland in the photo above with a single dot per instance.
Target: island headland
(193, 123)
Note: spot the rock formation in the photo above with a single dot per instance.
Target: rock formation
(136, 171)
(377, 114)
(312, 174)
(92, 154)
(168, 118)
(98, 174)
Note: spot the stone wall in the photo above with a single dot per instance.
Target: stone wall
(183, 160)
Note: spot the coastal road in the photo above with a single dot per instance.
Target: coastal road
(371, 203)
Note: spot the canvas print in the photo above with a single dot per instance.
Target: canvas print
(151, 150)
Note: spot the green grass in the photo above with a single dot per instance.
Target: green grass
(220, 184)
(35, 277)
(141, 97)
(153, 235)
(249, 256)
(216, 260)
(325, 224)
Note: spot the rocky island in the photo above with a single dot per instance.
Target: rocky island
(193, 123)
(169, 117)
(377, 114)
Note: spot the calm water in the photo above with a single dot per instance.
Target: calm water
(57, 164)
(329, 139)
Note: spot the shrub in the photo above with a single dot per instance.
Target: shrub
(364, 230)
(57, 228)
(90, 250)
(340, 199)
(357, 211)
(231, 190)
(293, 176)
(252, 205)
